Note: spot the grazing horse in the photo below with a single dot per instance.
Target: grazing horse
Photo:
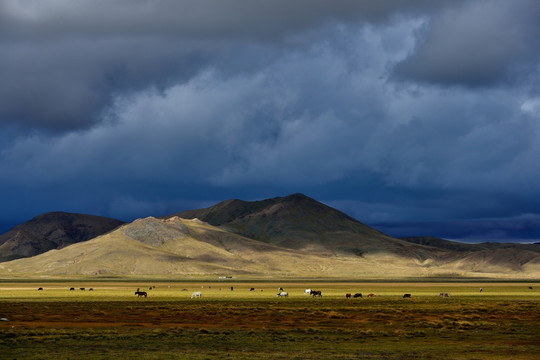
(406, 296)
(316, 293)
(348, 295)
(282, 293)
(196, 294)
(141, 293)
(357, 295)
(370, 295)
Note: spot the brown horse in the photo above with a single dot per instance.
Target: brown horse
(141, 293)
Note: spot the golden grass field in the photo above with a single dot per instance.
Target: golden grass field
(110, 322)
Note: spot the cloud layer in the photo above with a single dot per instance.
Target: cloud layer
(397, 112)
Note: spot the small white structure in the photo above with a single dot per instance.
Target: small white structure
(196, 294)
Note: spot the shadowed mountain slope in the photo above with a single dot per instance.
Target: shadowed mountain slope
(52, 230)
(293, 236)
(301, 223)
(466, 247)
(488, 256)
(174, 246)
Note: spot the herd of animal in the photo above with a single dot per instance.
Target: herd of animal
(281, 293)
(314, 293)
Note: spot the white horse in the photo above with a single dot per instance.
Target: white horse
(307, 291)
(283, 293)
(196, 294)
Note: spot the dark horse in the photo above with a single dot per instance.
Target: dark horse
(141, 293)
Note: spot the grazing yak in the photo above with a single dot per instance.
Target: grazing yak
(406, 296)
(357, 295)
(444, 294)
(316, 293)
(196, 294)
(141, 294)
(370, 295)
(282, 293)
(307, 291)
(348, 295)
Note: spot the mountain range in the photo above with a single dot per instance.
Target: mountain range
(292, 236)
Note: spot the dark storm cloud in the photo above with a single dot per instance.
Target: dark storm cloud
(194, 19)
(65, 84)
(136, 108)
(479, 43)
(61, 62)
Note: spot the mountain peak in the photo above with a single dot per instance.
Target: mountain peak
(52, 230)
(155, 232)
(294, 221)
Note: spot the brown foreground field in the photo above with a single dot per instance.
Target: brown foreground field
(110, 322)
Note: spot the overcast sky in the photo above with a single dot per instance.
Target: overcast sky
(417, 117)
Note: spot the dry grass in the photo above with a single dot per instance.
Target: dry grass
(110, 322)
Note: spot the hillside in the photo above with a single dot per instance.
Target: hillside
(489, 256)
(174, 246)
(293, 236)
(53, 230)
(301, 223)
(466, 247)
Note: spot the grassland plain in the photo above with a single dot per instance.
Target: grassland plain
(110, 322)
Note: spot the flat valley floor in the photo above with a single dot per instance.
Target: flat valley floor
(246, 320)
